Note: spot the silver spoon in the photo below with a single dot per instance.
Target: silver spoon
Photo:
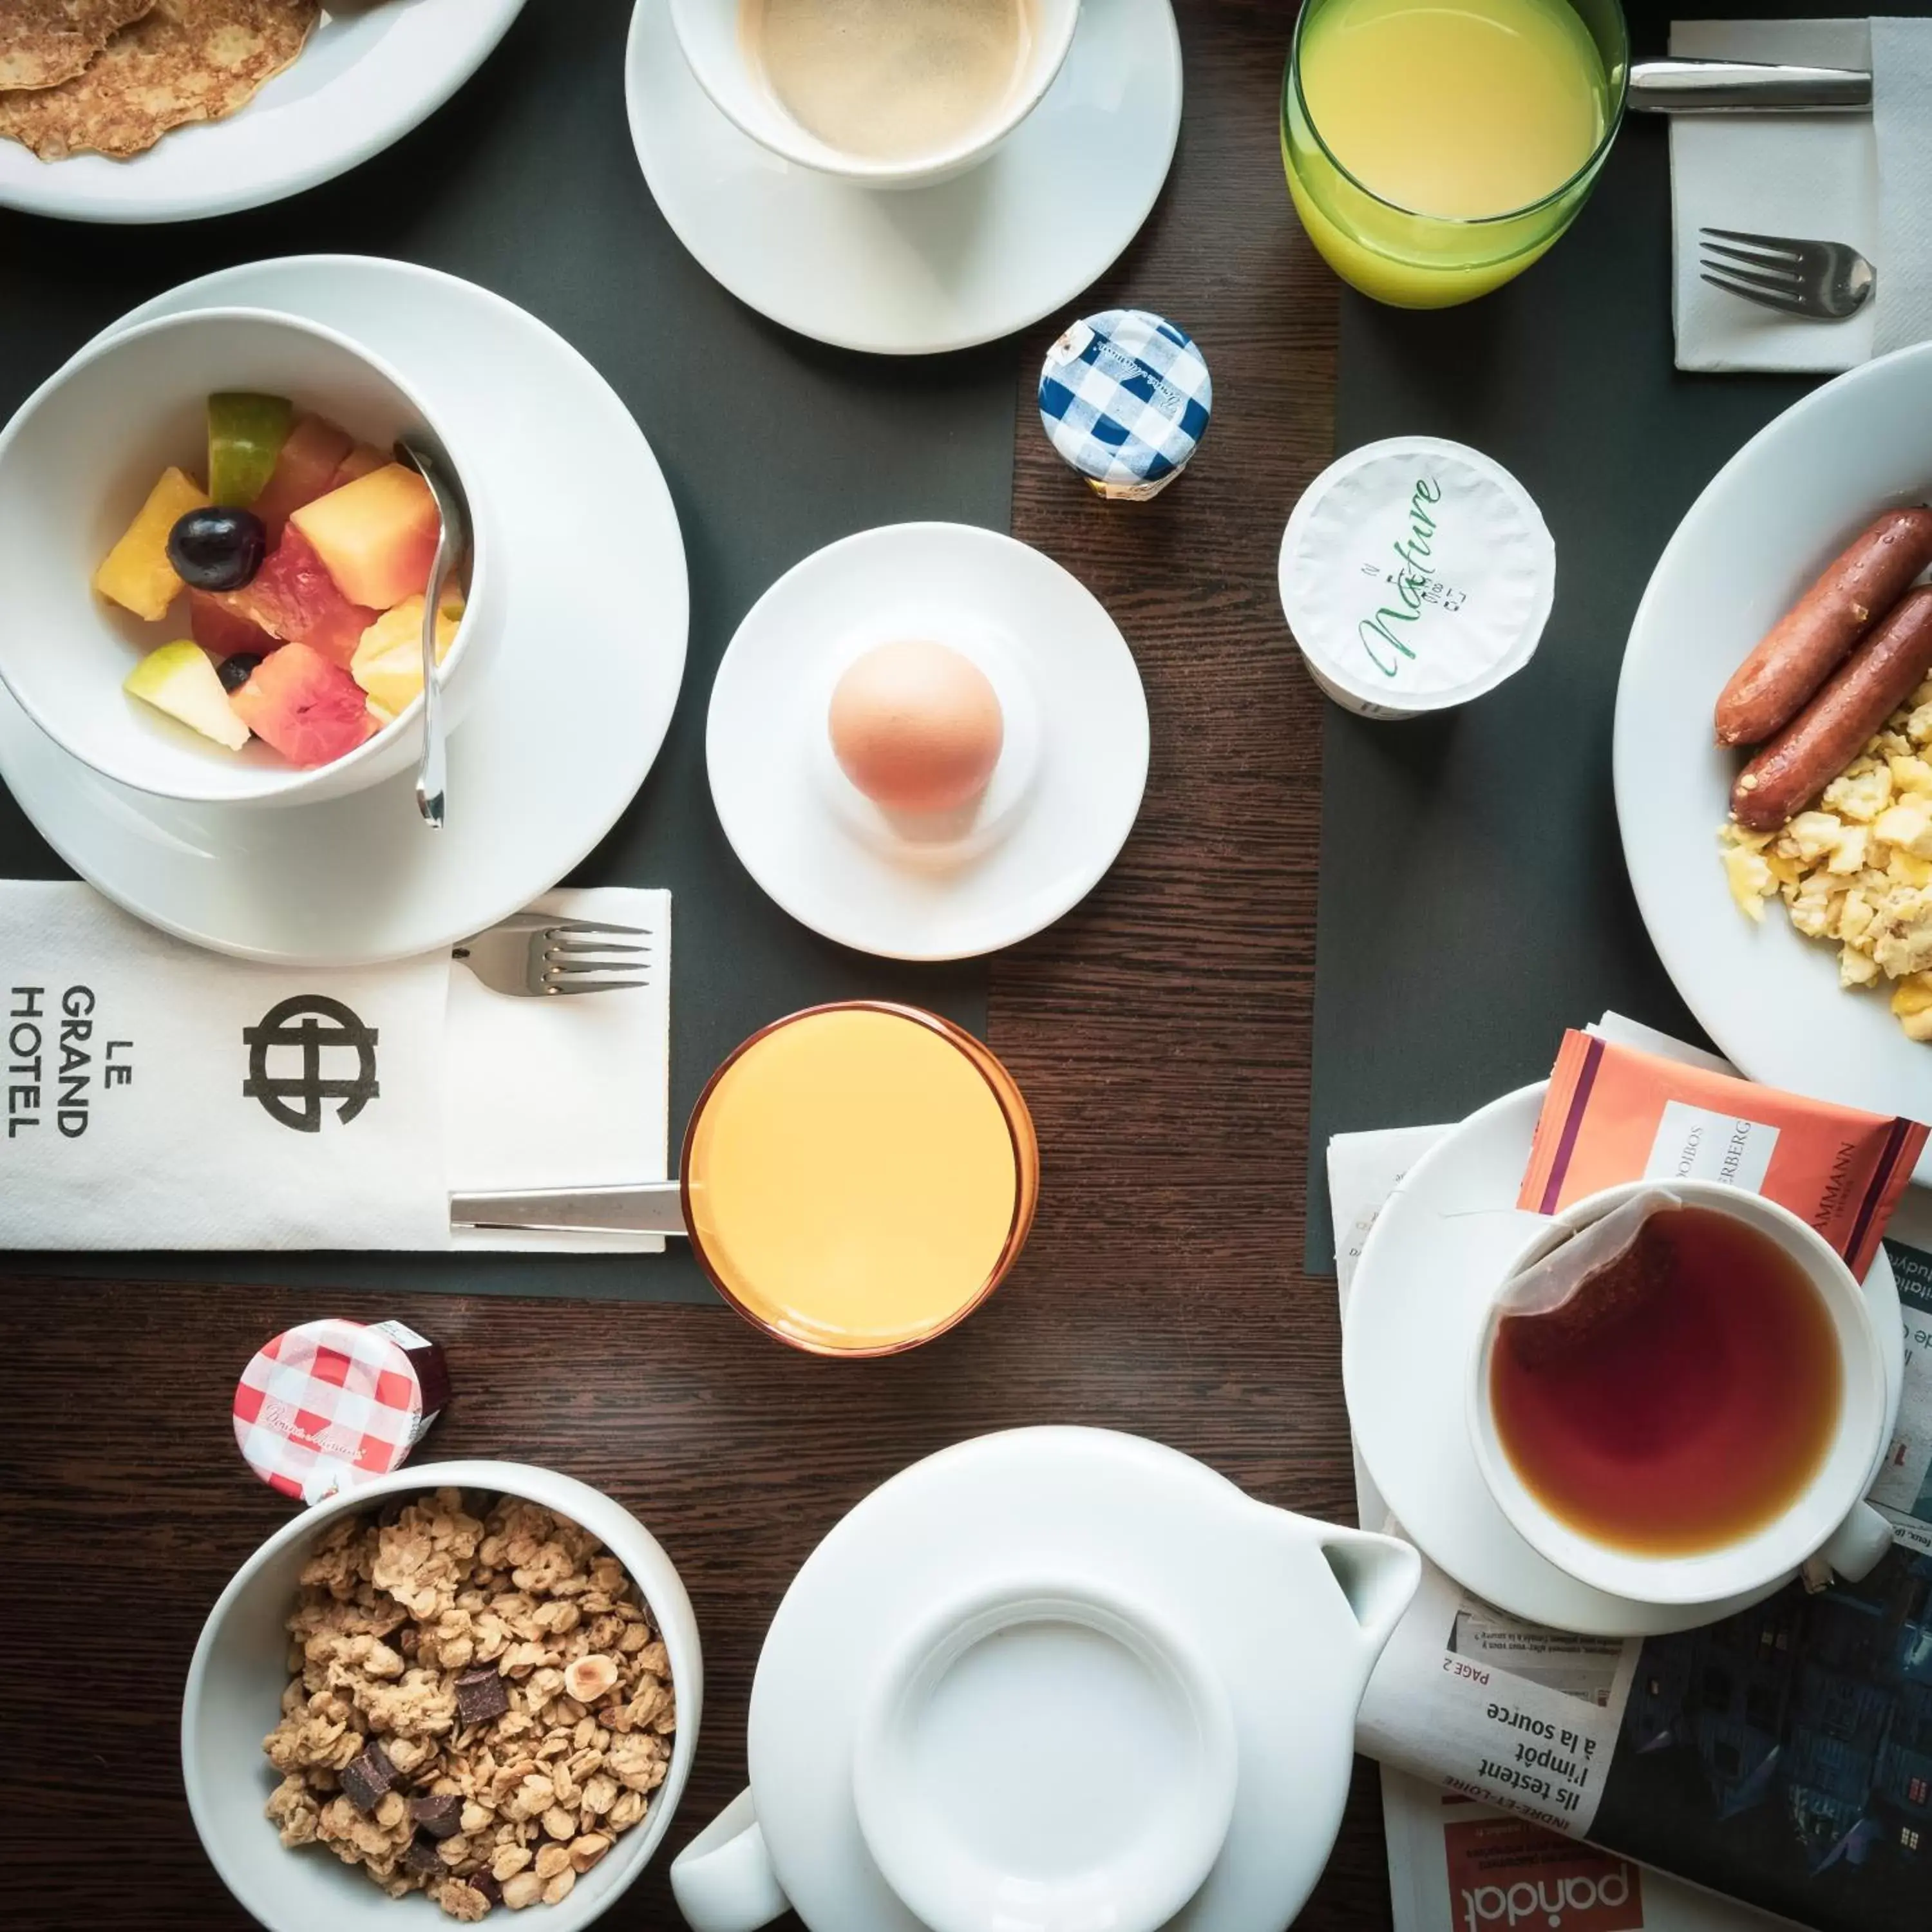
(429, 462)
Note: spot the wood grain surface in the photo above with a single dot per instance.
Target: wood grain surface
(1161, 1034)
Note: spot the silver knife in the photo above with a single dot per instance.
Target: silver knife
(645, 1207)
(1757, 87)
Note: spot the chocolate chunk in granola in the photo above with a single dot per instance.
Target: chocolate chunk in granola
(485, 1881)
(365, 1779)
(422, 1856)
(481, 1696)
(439, 1814)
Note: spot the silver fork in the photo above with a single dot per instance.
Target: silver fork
(534, 955)
(1825, 280)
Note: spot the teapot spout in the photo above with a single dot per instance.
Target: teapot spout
(1377, 1575)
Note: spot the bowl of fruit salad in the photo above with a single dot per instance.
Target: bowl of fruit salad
(217, 564)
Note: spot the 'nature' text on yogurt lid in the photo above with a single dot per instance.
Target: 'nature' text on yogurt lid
(1416, 573)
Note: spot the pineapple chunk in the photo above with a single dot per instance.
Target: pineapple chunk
(387, 663)
(136, 574)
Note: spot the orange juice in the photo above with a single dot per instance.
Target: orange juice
(1435, 148)
(858, 1178)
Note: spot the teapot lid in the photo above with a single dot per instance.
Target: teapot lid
(1054, 1679)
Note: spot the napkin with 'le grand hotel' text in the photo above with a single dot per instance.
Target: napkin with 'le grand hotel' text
(156, 1096)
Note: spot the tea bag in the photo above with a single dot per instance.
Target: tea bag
(1591, 1278)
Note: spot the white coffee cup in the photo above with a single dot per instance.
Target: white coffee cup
(710, 32)
(1829, 1524)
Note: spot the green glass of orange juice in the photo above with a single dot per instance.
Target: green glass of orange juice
(1436, 148)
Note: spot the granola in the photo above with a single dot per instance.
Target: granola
(477, 1706)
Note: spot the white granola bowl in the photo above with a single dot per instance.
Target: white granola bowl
(233, 1699)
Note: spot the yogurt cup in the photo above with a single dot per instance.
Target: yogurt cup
(1416, 573)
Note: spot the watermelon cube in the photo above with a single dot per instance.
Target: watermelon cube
(310, 455)
(307, 706)
(223, 632)
(377, 535)
(294, 597)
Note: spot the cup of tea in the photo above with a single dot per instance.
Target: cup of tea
(883, 93)
(1700, 1417)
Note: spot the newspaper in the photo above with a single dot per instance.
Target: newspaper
(1783, 1757)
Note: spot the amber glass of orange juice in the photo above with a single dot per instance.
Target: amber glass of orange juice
(859, 1178)
(1436, 148)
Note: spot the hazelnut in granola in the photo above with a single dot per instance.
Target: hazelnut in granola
(477, 1707)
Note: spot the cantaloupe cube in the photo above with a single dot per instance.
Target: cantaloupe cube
(136, 574)
(375, 536)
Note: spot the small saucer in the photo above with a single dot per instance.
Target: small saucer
(1427, 1271)
(917, 271)
(1061, 801)
(538, 774)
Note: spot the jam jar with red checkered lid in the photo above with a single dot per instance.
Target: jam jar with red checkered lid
(328, 1403)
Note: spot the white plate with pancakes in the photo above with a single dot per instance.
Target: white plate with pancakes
(336, 84)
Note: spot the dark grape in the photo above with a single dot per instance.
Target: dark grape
(217, 549)
(235, 672)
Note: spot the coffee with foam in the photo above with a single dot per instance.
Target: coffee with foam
(890, 80)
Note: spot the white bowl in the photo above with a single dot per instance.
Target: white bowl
(77, 462)
(710, 33)
(233, 1700)
(1827, 1515)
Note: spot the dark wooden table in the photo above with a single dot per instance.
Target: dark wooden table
(1162, 1035)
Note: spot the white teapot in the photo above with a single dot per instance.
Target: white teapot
(1056, 1680)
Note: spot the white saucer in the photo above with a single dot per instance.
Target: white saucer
(1423, 1282)
(916, 270)
(1060, 803)
(559, 739)
(368, 75)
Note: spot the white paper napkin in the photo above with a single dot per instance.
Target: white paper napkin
(1863, 179)
(156, 1096)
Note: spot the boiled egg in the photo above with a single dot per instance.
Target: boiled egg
(917, 727)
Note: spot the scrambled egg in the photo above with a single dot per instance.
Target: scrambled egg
(1857, 867)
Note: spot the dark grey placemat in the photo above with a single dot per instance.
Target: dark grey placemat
(1474, 902)
(527, 184)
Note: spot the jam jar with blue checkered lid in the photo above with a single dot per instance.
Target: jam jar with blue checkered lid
(1125, 397)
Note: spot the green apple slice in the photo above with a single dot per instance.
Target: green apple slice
(245, 435)
(179, 679)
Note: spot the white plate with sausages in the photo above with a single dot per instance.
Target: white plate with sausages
(1765, 527)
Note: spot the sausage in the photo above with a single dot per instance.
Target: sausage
(1808, 643)
(1836, 726)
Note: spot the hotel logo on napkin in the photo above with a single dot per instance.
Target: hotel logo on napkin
(294, 1029)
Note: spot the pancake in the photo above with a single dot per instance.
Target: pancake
(185, 61)
(45, 42)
